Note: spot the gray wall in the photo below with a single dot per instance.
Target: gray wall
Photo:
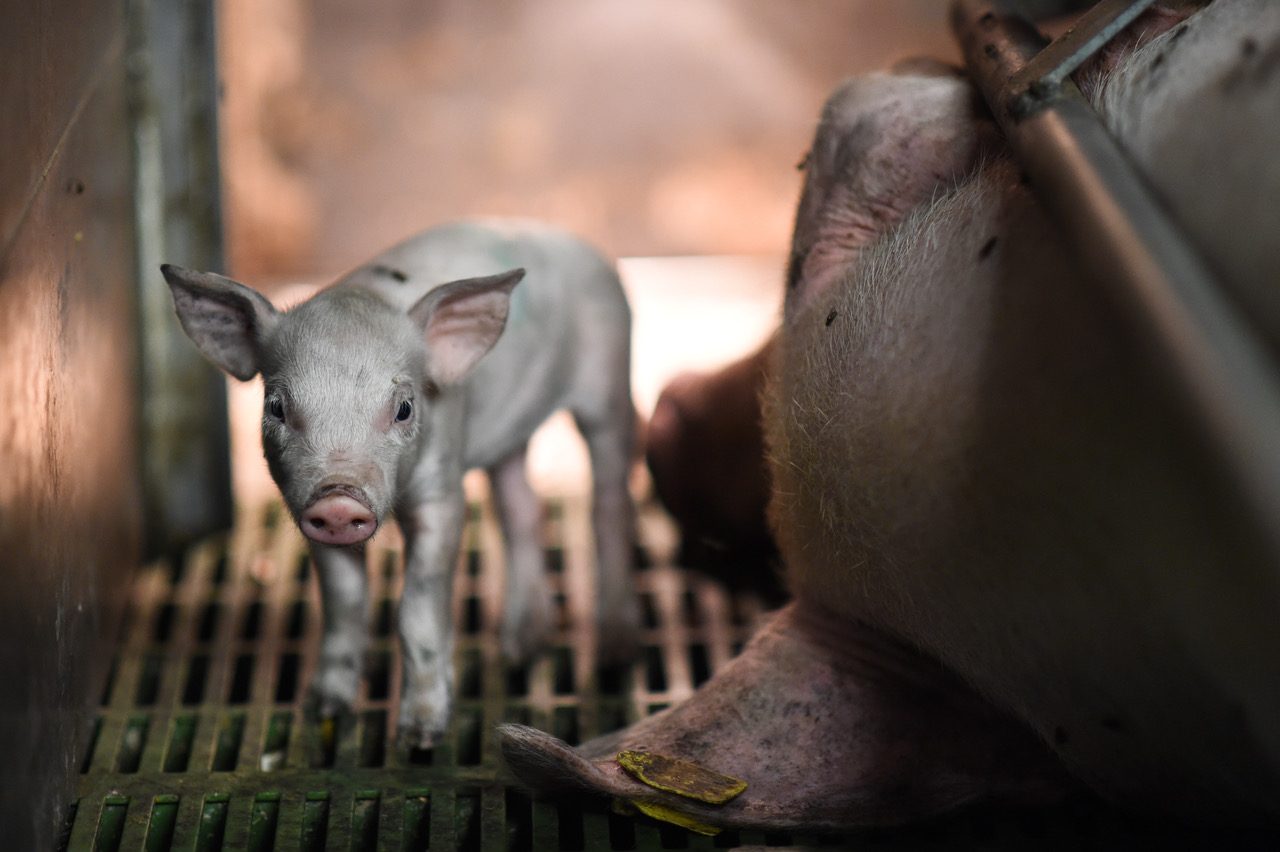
(69, 494)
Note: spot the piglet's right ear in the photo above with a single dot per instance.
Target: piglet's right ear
(225, 319)
(462, 320)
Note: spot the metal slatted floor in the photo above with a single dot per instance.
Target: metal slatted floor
(201, 741)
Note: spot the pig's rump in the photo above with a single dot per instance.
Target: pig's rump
(980, 482)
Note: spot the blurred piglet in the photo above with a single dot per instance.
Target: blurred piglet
(384, 388)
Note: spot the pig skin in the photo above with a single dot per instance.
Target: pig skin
(973, 463)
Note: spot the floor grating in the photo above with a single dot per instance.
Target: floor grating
(200, 741)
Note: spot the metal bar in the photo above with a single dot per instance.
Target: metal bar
(1047, 70)
(1212, 357)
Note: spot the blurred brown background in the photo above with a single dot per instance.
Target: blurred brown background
(665, 127)
(667, 132)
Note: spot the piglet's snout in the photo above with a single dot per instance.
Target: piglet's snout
(337, 518)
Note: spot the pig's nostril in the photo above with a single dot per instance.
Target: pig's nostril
(338, 519)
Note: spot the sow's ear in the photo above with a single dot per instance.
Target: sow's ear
(226, 320)
(461, 321)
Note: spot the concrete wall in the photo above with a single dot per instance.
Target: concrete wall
(69, 495)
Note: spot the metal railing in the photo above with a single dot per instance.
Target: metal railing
(1216, 363)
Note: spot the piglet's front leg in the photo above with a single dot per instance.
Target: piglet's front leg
(344, 597)
(432, 532)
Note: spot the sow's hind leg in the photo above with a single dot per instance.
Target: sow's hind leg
(830, 724)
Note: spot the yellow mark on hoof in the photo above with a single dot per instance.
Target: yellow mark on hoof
(328, 730)
(682, 777)
(628, 807)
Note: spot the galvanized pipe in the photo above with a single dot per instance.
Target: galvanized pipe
(1211, 356)
(1044, 74)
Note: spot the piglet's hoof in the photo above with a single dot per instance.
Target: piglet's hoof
(830, 726)
(418, 737)
(322, 707)
(333, 690)
(420, 733)
(618, 637)
(526, 628)
(425, 710)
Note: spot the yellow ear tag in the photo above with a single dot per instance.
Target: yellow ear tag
(682, 777)
(328, 731)
(628, 807)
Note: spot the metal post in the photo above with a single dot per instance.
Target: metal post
(185, 447)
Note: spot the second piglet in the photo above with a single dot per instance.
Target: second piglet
(383, 389)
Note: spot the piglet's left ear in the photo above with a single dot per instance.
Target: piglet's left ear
(461, 321)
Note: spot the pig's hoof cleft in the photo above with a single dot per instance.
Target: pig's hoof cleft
(419, 736)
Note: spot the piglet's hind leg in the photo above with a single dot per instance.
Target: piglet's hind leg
(829, 724)
(527, 609)
(609, 442)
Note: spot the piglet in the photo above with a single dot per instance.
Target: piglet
(384, 388)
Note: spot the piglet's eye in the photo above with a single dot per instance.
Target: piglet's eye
(275, 407)
(404, 412)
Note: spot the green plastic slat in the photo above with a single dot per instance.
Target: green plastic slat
(201, 782)
(111, 824)
(161, 823)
